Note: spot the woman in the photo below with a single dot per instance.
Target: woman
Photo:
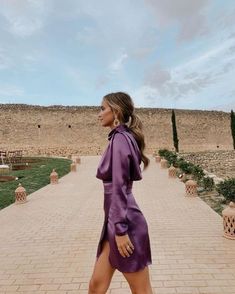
(124, 243)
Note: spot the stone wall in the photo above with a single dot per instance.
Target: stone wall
(221, 163)
(62, 130)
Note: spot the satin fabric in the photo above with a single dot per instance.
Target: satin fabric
(118, 168)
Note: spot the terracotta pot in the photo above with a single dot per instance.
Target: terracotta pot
(172, 172)
(191, 188)
(20, 195)
(164, 163)
(229, 221)
(73, 167)
(54, 177)
(78, 159)
(158, 158)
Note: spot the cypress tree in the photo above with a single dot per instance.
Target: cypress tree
(232, 124)
(175, 136)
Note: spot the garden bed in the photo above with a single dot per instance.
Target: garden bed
(32, 178)
(214, 200)
(216, 195)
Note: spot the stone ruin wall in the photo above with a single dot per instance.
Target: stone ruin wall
(197, 130)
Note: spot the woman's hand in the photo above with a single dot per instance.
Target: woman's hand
(124, 245)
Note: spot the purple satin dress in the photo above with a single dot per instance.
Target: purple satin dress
(118, 168)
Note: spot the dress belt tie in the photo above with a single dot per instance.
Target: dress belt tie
(108, 187)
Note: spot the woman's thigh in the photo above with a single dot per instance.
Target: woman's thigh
(103, 271)
(139, 282)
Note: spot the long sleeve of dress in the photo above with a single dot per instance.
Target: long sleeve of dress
(121, 157)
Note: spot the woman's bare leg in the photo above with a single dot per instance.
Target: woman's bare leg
(139, 282)
(103, 272)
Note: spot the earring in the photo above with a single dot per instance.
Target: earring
(116, 122)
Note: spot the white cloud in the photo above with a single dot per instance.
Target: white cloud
(221, 50)
(24, 28)
(142, 52)
(87, 36)
(24, 17)
(211, 72)
(157, 76)
(189, 15)
(5, 60)
(117, 65)
(73, 73)
(77, 77)
(9, 92)
(228, 106)
(12, 60)
(101, 82)
(110, 26)
(146, 96)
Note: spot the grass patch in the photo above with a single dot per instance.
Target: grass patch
(214, 200)
(34, 178)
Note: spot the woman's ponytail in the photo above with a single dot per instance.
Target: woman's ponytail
(135, 127)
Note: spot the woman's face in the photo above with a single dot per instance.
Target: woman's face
(106, 115)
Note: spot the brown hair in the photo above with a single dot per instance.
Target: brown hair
(123, 106)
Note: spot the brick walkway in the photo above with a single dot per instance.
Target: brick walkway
(48, 245)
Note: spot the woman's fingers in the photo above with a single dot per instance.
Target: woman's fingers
(126, 250)
(131, 245)
(129, 249)
(125, 246)
(124, 253)
(121, 252)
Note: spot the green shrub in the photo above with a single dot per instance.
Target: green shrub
(162, 152)
(173, 159)
(208, 183)
(186, 167)
(170, 156)
(198, 172)
(227, 189)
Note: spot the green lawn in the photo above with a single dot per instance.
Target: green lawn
(34, 178)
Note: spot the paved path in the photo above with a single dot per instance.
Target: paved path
(48, 245)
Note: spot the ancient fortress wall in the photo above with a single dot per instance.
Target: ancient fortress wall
(62, 130)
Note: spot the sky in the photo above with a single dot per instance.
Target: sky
(176, 54)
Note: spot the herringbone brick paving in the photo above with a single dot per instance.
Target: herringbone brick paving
(48, 244)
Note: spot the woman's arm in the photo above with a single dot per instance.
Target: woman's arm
(121, 157)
